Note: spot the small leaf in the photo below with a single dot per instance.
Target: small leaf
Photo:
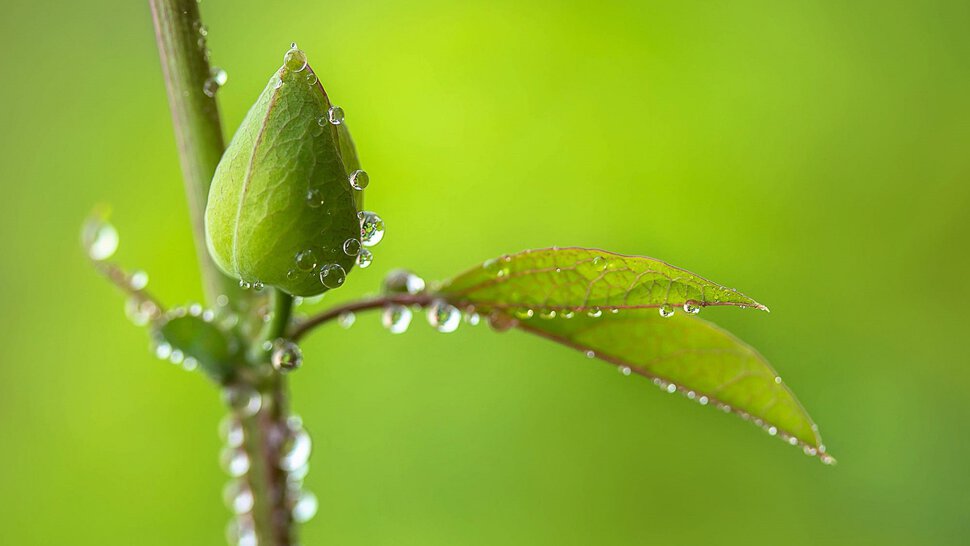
(606, 306)
(215, 350)
(281, 205)
(580, 279)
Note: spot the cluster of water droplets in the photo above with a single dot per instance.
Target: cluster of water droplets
(164, 350)
(287, 437)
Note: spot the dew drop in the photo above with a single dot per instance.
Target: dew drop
(238, 497)
(140, 312)
(625, 370)
(702, 400)
(295, 59)
(547, 314)
(311, 78)
(219, 75)
(296, 448)
(245, 400)
(305, 508)
(472, 318)
(443, 316)
(258, 285)
(666, 311)
(566, 313)
(234, 461)
(176, 356)
(286, 356)
(163, 351)
(245, 285)
(351, 247)
(590, 354)
(315, 198)
(371, 228)
(595, 312)
(231, 431)
(524, 313)
(333, 275)
(359, 179)
(772, 431)
(138, 280)
(335, 115)
(100, 239)
(346, 319)
(671, 388)
(691, 308)
(500, 322)
(278, 83)
(778, 379)
(396, 318)
(365, 258)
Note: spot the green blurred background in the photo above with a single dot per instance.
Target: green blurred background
(813, 154)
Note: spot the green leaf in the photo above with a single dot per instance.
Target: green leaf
(605, 306)
(282, 190)
(581, 279)
(215, 350)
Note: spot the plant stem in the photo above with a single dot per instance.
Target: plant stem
(198, 132)
(302, 328)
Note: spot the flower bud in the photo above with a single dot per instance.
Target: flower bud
(281, 206)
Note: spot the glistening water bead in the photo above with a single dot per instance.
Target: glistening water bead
(443, 316)
(666, 311)
(100, 239)
(333, 275)
(396, 318)
(691, 308)
(286, 355)
(359, 179)
(335, 115)
(295, 59)
(351, 247)
(365, 258)
(306, 260)
(371, 228)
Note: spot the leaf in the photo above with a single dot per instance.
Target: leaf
(282, 190)
(604, 305)
(215, 350)
(581, 279)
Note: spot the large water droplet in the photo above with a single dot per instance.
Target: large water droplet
(396, 318)
(595, 312)
(234, 461)
(305, 508)
(691, 308)
(100, 238)
(295, 59)
(365, 258)
(359, 179)
(666, 311)
(335, 115)
(286, 356)
(371, 228)
(443, 316)
(315, 197)
(238, 496)
(138, 280)
(219, 75)
(351, 247)
(333, 275)
(311, 78)
(306, 260)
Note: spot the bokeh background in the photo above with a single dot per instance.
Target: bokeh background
(813, 154)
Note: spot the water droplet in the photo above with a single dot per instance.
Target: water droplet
(778, 379)
(258, 285)
(333, 275)
(278, 83)
(371, 228)
(241, 532)
(547, 314)
(203, 30)
(234, 461)
(359, 179)
(772, 431)
(305, 507)
(402, 280)
(472, 318)
(500, 322)
(311, 78)
(443, 316)
(365, 258)
(231, 431)
(351, 247)
(346, 319)
(671, 388)
(595, 312)
(163, 351)
(138, 280)
(295, 59)
(176, 357)
(625, 370)
(140, 312)
(245, 400)
(335, 115)
(297, 446)
(524, 313)
(286, 356)
(396, 318)
(566, 313)
(666, 311)
(100, 239)
(190, 364)
(702, 400)
(219, 75)
(590, 354)
(691, 308)
(306, 260)
(245, 285)
(238, 497)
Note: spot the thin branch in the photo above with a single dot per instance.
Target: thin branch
(198, 131)
(303, 328)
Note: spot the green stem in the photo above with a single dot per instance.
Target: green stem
(198, 132)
